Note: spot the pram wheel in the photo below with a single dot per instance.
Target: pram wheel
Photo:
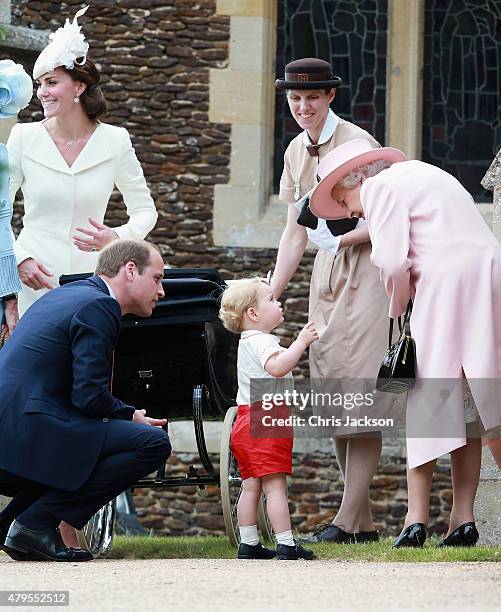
(231, 483)
(97, 535)
(263, 521)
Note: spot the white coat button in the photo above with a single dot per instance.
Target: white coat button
(105, 420)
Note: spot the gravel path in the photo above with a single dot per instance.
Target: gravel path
(228, 585)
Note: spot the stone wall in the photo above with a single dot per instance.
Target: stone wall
(155, 57)
(315, 492)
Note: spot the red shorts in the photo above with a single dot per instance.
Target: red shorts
(259, 456)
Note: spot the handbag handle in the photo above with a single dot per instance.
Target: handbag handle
(405, 326)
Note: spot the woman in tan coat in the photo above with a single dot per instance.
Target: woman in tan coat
(347, 301)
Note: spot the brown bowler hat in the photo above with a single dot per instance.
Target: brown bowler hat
(308, 73)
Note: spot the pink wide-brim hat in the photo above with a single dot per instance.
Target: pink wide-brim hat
(339, 163)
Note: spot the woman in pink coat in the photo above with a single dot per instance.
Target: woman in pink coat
(432, 246)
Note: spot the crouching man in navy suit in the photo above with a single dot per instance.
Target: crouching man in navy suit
(67, 446)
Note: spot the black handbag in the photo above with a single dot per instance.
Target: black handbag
(397, 373)
(306, 218)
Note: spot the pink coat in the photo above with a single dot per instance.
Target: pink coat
(431, 243)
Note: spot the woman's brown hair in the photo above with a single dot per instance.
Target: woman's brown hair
(92, 99)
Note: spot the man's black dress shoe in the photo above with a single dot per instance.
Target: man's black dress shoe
(333, 533)
(292, 553)
(412, 536)
(465, 535)
(13, 554)
(247, 551)
(42, 545)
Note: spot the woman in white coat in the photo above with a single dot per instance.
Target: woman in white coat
(432, 245)
(67, 167)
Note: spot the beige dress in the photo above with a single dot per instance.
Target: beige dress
(348, 302)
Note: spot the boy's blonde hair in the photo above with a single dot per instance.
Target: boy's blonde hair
(237, 298)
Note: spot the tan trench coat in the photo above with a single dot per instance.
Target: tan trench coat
(347, 301)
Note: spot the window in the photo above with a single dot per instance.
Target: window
(352, 36)
(462, 74)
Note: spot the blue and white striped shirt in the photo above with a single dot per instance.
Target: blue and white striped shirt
(9, 277)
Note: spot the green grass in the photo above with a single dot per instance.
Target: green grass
(182, 547)
(218, 548)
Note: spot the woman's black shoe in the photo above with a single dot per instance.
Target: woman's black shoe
(465, 535)
(333, 533)
(247, 551)
(362, 537)
(412, 536)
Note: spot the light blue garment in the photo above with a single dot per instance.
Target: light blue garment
(9, 277)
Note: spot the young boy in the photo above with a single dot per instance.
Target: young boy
(249, 307)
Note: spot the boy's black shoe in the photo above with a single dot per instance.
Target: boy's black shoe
(246, 551)
(292, 553)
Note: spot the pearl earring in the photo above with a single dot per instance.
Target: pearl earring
(76, 99)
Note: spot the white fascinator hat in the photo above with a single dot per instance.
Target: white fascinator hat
(67, 48)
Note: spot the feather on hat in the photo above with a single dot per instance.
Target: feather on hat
(67, 46)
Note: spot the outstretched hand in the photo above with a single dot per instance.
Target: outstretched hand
(98, 238)
(140, 417)
(308, 334)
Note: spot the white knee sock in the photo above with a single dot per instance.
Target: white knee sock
(248, 535)
(285, 538)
